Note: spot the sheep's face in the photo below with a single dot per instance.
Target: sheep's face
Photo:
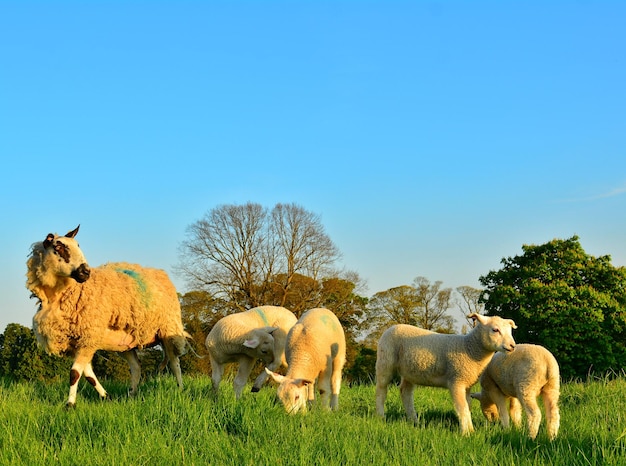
(260, 344)
(293, 395)
(496, 332)
(487, 406)
(62, 257)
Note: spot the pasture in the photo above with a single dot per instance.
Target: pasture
(163, 425)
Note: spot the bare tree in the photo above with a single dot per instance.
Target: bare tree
(434, 305)
(470, 302)
(248, 256)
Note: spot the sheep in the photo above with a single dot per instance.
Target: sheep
(422, 357)
(244, 337)
(520, 377)
(115, 307)
(316, 349)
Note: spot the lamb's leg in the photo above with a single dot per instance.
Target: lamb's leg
(243, 374)
(217, 371)
(323, 386)
(135, 369)
(515, 411)
(406, 393)
(553, 418)
(459, 397)
(383, 379)
(263, 376)
(503, 410)
(335, 384)
(529, 402)
(81, 362)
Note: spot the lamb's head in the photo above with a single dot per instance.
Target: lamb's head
(61, 256)
(259, 344)
(487, 406)
(495, 332)
(292, 393)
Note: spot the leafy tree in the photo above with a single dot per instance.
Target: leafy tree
(22, 359)
(566, 300)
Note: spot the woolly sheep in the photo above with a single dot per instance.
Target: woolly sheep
(115, 307)
(316, 349)
(520, 377)
(244, 337)
(422, 357)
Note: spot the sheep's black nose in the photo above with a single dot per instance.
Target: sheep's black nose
(82, 273)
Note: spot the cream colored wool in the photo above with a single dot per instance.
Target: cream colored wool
(245, 337)
(315, 351)
(520, 378)
(422, 357)
(119, 307)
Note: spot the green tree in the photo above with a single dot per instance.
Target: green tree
(570, 302)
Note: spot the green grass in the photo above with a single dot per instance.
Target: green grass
(165, 426)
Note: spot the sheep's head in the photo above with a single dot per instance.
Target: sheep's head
(487, 406)
(292, 393)
(62, 257)
(496, 332)
(259, 344)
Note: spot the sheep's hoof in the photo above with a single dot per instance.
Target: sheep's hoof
(255, 389)
(69, 405)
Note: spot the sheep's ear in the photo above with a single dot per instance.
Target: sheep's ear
(74, 232)
(512, 322)
(277, 377)
(476, 395)
(302, 382)
(48, 241)
(477, 317)
(270, 330)
(253, 343)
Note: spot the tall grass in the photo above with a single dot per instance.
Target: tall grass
(163, 425)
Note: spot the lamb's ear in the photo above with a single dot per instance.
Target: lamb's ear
(277, 377)
(477, 317)
(74, 232)
(512, 322)
(476, 395)
(251, 343)
(270, 330)
(48, 241)
(302, 382)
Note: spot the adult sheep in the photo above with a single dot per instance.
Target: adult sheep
(245, 337)
(115, 307)
(520, 377)
(316, 350)
(422, 357)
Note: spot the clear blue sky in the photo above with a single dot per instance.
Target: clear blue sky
(432, 138)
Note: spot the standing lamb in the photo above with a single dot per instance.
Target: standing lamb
(422, 357)
(244, 337)
(316, 349)
(115, 307)
(520, 377)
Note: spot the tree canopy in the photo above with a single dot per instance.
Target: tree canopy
(562, 298)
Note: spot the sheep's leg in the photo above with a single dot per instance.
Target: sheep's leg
(324, 386)
(553, 418)
(515, 411)
(529, 402)
(335, 385)
(406, 393)
(503, 410)
(169, 345)
(263, 376)
(80, 365)
(459, 398)
(243, 374)
(383, 379)
(135, 369)
(217, 372)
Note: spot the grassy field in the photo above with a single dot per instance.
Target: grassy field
(165, 426)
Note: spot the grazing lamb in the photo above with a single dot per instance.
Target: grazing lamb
(520, 377)
(316, 349)
(244, 337)
(115, 307)
(422, 357)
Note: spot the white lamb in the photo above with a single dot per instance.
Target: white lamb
(520, 377)
(316, 349)
(244, 337)
(422, 357)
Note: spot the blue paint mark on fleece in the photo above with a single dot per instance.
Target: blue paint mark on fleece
(263, 316)
(143, 289)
